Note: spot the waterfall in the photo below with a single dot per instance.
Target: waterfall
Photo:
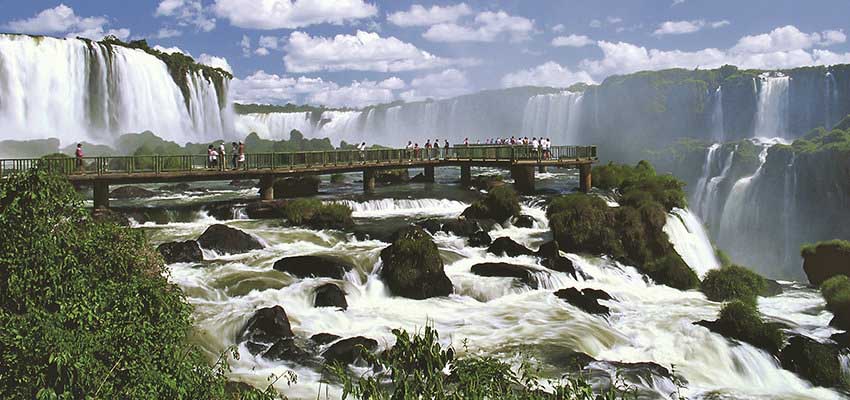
(81, 90)
(831, 94)
(338, 125)
(773, 106)
(717, 130)
(707, 202)
(789, 210)
(553, 115)
(690, 240)
(385, 208)
(699, 193)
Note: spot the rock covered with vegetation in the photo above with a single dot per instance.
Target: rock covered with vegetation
(632, 233)
(733, 282)
(819, 363)
(836, 292)
(825, 260)
(117, 329)
(741, 321)
(315, 214)
(499, 204)
(412, 266)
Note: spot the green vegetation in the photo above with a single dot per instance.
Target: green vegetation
(338, 178)
(86, 309)
(315, 214)
(499, 204)
(632, 233)
(296, 142)
(741, 321)
(809, 250)
(821, 139)
(836, 292)
(414, 369)
(287, 108)
(819, 363)
(733, 283)
(823, 260)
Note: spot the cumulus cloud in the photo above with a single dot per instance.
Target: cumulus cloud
(165, 33)
(487, 27)
(215, 62)
(262, 87)
(291, 14)
(171, 50)
(245, 45)
(187, 13)
(394, 83)
(787, 38)
(358, 94)
(558, 28)
(363, 51)
(63, 19)
(548, 74)
(683, 27)
(421, 16)
(572, 41)
(448, 83)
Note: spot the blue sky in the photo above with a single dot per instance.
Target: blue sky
(359, 52)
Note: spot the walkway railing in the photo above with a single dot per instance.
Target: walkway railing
(293, 160)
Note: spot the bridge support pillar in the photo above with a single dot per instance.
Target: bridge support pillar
(429, 174)
(541, 169)
(465, 175)
(101, 195)
(368, 180)
(585, 179)
(523, 179)
(267, 187)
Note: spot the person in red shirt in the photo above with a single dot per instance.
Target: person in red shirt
(79, 156)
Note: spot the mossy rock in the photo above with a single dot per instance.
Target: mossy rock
(824, 260)
(733, 283)
(672, 271)
(499, 204)
(412, 266)
(817, 362)
(741, 321)
(315, 214)
(836, 292)
(582, 223)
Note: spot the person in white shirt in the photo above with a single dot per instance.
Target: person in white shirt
(362, 149)
(409, 150)
(223, 155)
(534, 145)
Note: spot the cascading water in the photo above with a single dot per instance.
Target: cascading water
(699, 193)
(831, 100)
(789, 209)
(690, 240)
(773, 106)
(706, 200)
(718, 132)
(80, 90)
(555, 116)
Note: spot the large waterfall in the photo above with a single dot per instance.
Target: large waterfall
(718, 133)
(773, 106)
(555, 116)
(83, 90)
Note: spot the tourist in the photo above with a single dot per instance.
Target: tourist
(213, 156)
(466, 141)
(223, 156)
(513, 140)
(438, 153)
(547, 145)
(79, 156)
(235, 157)
(534, 145)
(241, 154)
(428, 149)
(409, 150)
(416, 150)
(362, 149)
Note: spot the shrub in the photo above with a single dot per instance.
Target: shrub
(315, 214)
(584, 223)
(499, 204)
(741, 321)
(337, 178)
(733, 283)
(836, 292)
(672, 271)
(85, 307)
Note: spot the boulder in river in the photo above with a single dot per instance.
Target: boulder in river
(220, 211)
(324, 338)
(551, 257)
(507, 246)
(330, 295)
(586, 299)
(741, 321)
(431, 225)
(313, 266)
(267, 325)
(347, 351)
(462, 227)
(412, 266)
(817, 362)
(500, 204)
(174, 252)
(524, 221)
(243, 183)
(177, 187)
(268, 209)
(392, 176)
(522, 273)
(296, 187)
(131, 192)
(224, 239)
(480, 239)
(824, 260)
(285, 349)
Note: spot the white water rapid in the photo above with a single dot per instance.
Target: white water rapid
(74, 90)
(773, 106)
(691, 241)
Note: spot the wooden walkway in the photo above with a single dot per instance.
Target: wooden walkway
(104, 171)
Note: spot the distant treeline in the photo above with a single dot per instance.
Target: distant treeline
(288, 108)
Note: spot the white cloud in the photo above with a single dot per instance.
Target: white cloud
(614, 20)
(595, 23)
(262, 87)
(683, 27)
(363, 51)
(62, 19)
(268, 43)
(572, 41)
(421, 16)
(215, 62)
(677, 2)
(187, 13)
(558, 28)
(358, 94)
(394, 83)
(171, 50)
(261, 51)
(291, 14)
(245, 44)
(786, 38)
(165, 33)
(448, 83)
(548, 74)
(488, 26)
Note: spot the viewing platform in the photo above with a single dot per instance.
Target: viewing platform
(100, 172)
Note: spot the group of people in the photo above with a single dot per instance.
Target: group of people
(541, 146)
(430, 151)
(217, 158)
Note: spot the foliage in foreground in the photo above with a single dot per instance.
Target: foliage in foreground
(733, 283)
(85, 309)
(418, 367)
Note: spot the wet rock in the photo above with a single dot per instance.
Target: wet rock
(412, 266)
(551, 257)
(499, 204)
(524, 221)
(507, 246)
(461, 227)
(480, 239)
(586, 299)
(268, 209)
(487, 182)
(771, 288)
(568, 359)
(178, 187)
(742, 321)
(224, 239)
(296, 187)
(324, 338)
(431, 225)
(285, 350)
(243, 183)
(522, 273)
(221, 212)
(267, 325)
(108, 215)
(817, 362)
(347, 351)
(841, 339)
(131, 192)
(392, 176)
(330, 295)
(314, 266)
(174, 252)
(825, 260)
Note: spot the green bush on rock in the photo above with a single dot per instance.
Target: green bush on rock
(733, 283)
(742, 321)
(85, 307)
(499, 204)
(672, 271)
(836, 292)
(316, 214)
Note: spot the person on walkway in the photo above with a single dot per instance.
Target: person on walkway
(534, 147)
(466, 141)
(223, 156)
(416, 150)
(438, 153)
(79, 156)
(234, 158)
(241, 154)
(212, 156)
(409, 150)
(428, 149)
(362, 149)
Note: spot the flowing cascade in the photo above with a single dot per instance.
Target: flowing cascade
(690, 240)
(831, 100)
(699, 193)
(773, 106)
(554, 115)
(789, 210)
(79, 90)
(718, 132)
